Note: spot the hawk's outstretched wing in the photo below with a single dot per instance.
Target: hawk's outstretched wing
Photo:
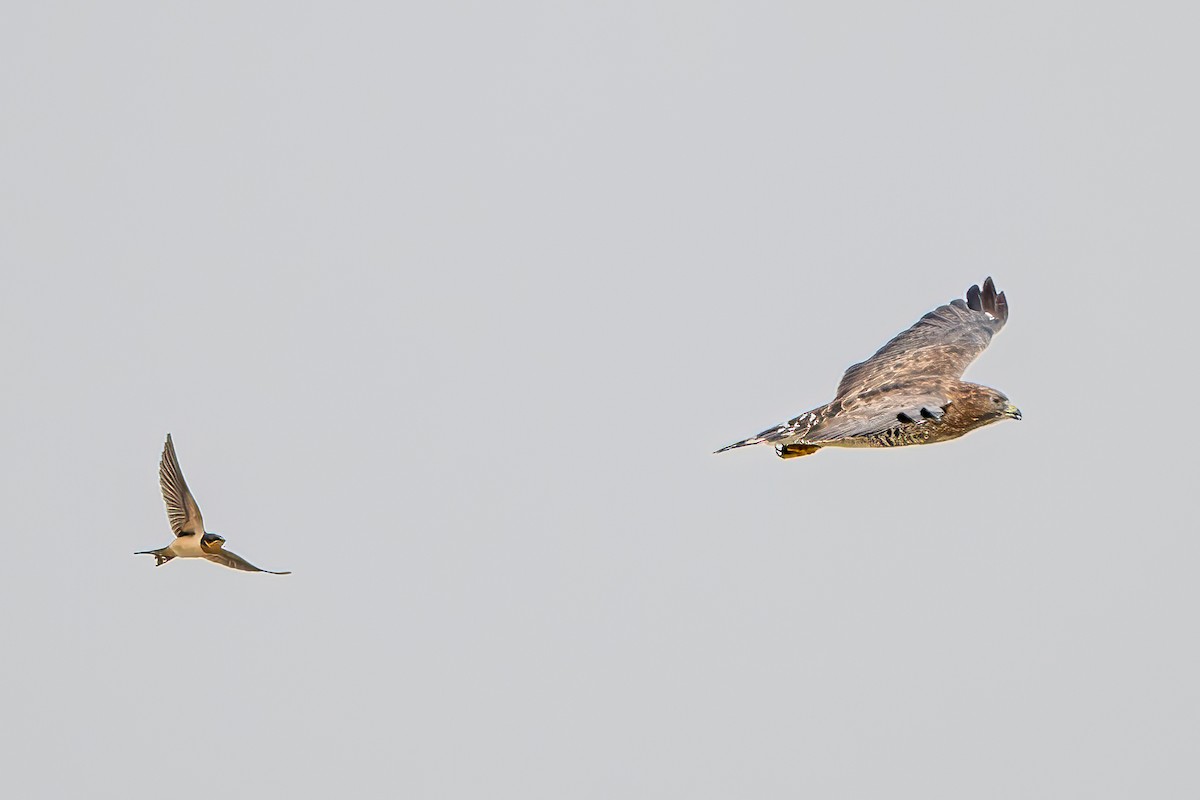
(182, 510)
(910, 377)
(937, 348)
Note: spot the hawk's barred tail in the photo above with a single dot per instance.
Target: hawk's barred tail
(769, 435)
(752, 440)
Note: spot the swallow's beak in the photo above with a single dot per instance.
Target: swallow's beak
(1012, 411)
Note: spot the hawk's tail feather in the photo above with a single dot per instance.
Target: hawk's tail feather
(742, 443)
(771, 435)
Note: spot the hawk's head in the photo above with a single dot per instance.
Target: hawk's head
(997, 406)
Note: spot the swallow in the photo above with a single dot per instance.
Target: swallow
(191, 540)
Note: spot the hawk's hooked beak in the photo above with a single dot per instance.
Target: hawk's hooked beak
(1012, 411)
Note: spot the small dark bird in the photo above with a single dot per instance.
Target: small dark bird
(910, 392)
(191, 540)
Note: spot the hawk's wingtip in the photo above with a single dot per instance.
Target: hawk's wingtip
(974, 298)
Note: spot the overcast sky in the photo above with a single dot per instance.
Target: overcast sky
(446, 306)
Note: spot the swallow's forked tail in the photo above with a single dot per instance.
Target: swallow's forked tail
(161, 556)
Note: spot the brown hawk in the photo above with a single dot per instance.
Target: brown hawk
(910, 392)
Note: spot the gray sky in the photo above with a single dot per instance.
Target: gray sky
(447, 305)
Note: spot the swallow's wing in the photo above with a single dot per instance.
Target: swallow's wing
(226, 558)
(182, 510)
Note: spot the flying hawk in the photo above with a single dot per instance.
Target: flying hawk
(191, 540)
(910, 392)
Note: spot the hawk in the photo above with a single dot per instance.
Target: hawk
(911, 391)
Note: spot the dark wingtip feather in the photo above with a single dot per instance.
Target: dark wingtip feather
(973, 299)
(988, 300)
(989, 296)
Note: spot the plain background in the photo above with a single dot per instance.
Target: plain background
(447, 305)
